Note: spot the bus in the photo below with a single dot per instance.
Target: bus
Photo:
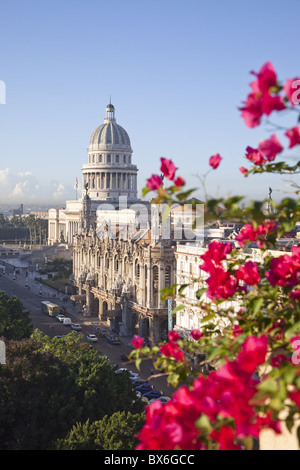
(50, 308)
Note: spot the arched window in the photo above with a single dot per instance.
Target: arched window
(126, 266)
(108, 158)
(116, 263)
(124, 158)
(117, 159)
(100, 158)
(168, 276)
(137, 269)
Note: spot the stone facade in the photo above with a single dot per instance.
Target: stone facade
(119, 279)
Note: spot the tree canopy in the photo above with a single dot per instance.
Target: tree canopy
(49, 385)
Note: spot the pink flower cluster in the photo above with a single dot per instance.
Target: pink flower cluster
(168, 169)
(262, 99)
(266, 151)
(221, 285)
(285, 270)
(258, 234)
(215, 161)
(226, 393)
(172, 348)
(248, 273)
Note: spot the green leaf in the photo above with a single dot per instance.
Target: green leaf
(256, 305)
(200, 292)
(145, 191)
(208, 317)
(269, 386)
(292, 331)
(203, 423)
(179, 307)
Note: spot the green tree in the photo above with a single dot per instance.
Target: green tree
(14, 319)
(47, 386)
(114, 432)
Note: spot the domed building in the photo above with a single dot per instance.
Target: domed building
(109, 172)
(108, 176)
(120, 263)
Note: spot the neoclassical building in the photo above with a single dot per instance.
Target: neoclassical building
(119, 280)
(108, 176)
(120, 259)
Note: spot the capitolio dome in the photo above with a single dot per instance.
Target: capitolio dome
(109, 135)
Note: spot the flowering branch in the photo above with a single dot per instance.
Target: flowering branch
(249, 369)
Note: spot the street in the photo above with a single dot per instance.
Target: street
(31, 293)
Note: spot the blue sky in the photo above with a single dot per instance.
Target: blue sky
(176, 72)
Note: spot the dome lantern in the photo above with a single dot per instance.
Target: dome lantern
(110, 113)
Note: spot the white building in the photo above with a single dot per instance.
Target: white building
(108, 176)
(187, 268)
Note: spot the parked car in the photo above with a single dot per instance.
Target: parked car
(138, 383)
(113, 339)
(92, 337)
(101, 332)
(76, 327)
(144, 388)
(132, 375)
(60, 317)
(163, 399)
(152, 394)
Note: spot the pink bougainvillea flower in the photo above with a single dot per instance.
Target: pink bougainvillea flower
(295, 396)
(171, 349)
(248, 233)
(272, 103)
(292, 90)
(266, 77)
(221, 285)
(225, 393)
(294, 136)
(248, 273)
(179, 181)
(295, 294)
(215, 160)
(168, 168)
(217, 252)
(263, 98)
(255, 156)
(243, 170)
(225, 438)
(276, 361)
(284, 271)
(237, 331)
(154, 182)
(270, 147)
(173, 335)
(137, 341)
(196, 334)
(252, 110)
(253, 353)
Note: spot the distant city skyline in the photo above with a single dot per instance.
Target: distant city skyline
(176, 73)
